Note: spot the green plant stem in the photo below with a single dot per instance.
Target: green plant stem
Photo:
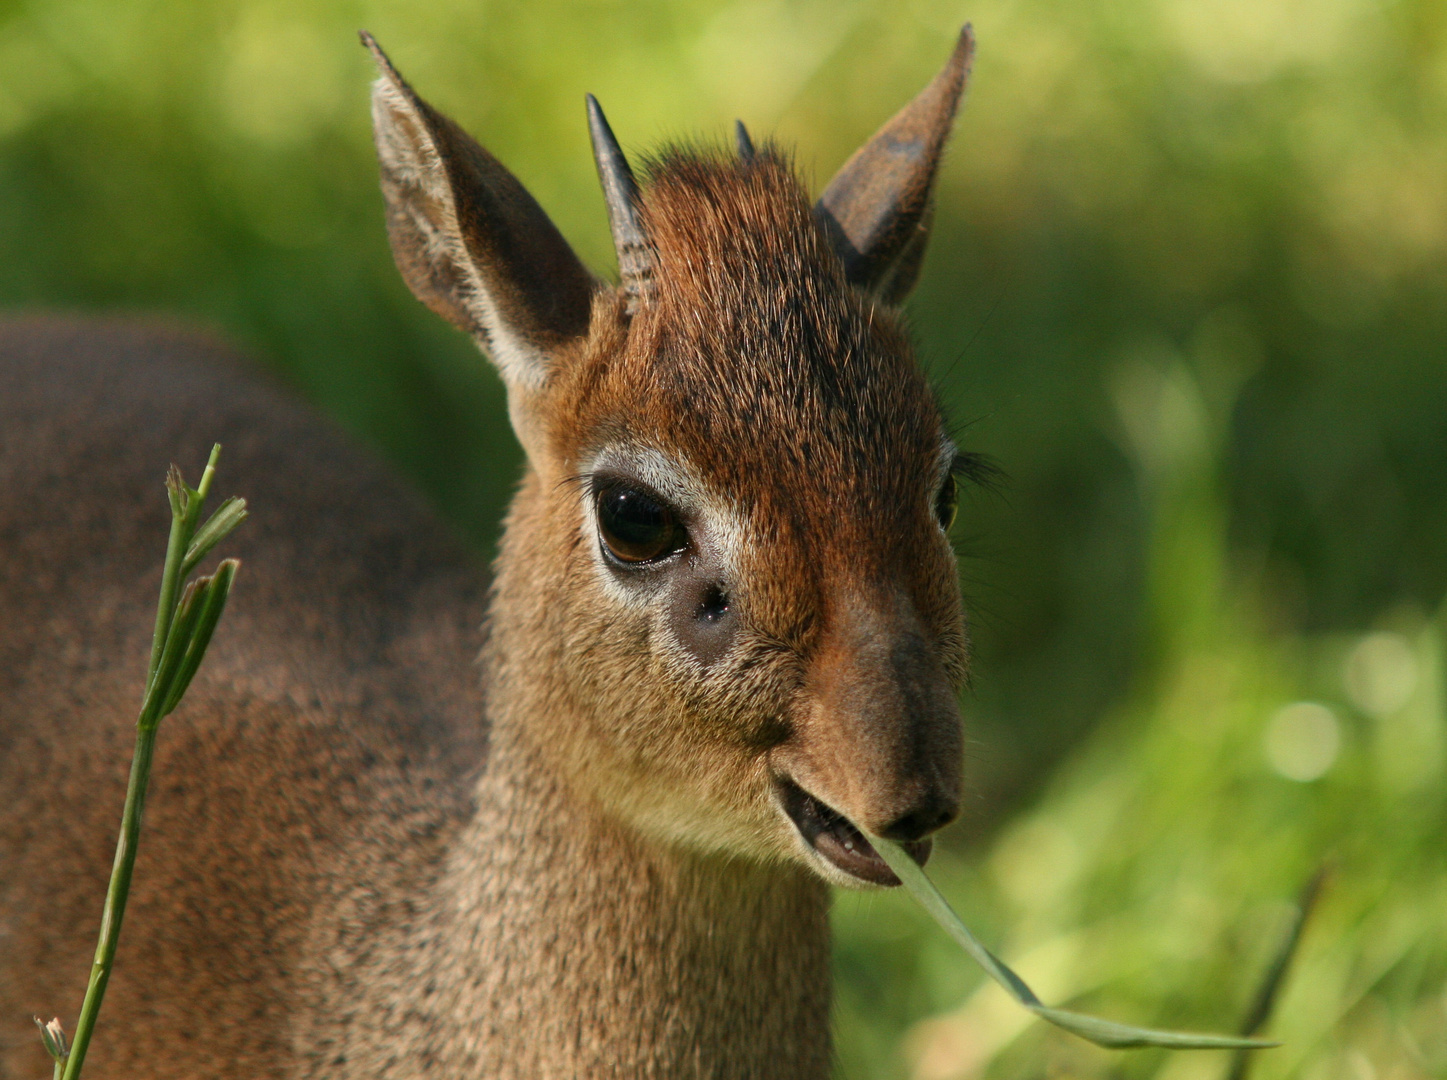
(170, 579)
(116, 895)
(176, 650)
(184, 512)
(146, 725)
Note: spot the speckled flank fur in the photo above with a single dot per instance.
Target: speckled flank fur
(368, 854)
(324, 756)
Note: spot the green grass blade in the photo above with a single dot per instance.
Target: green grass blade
(1275, 977)
(933, 901)
(1126, 1036)
(208, 474)
(229, 514)
(211, 602)
(1101, 1032)
(173, 653)
(171, 576)
(185, 510)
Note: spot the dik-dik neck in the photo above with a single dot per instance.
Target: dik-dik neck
(574, 947)
(561, 940)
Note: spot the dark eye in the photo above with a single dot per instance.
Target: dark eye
(636, 526)
(947, 503)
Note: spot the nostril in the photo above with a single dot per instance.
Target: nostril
(921, 821)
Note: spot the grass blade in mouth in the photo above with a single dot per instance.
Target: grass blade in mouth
(1101, 1032)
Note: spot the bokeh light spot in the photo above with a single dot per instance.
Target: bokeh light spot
(1302, 740)
(1380, 674)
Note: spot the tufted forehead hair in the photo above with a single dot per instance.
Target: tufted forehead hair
(732, 226)
(756, 358)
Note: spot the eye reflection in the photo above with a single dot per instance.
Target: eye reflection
(635, 525)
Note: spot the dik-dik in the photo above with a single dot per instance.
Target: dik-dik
(723, 640)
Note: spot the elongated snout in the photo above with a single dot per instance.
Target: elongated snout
(880, 742)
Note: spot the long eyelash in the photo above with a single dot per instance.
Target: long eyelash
(975, 470)
(978, 470)
(577, 480)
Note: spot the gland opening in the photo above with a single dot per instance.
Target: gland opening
(714, 604)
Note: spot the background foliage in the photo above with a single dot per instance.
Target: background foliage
(1187, 287)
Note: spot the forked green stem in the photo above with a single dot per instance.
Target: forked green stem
(183, 631)
(184, 512)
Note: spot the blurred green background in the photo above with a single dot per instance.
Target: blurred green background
(1187, 288)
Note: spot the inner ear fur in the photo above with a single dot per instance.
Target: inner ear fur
(877, 209)
(470, 241)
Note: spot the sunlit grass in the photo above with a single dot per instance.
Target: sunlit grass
(1111, 1034)
(1155, 876)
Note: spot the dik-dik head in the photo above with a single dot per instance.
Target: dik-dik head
(727, 609)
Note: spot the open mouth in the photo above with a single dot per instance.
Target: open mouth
(837, 840)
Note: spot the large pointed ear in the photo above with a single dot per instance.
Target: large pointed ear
(470, 241)
(876, 211)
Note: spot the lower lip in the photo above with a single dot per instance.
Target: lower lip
(837, 840)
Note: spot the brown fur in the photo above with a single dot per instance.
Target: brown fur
(353, 865)
(876, 210)
(321, 757)
(838, 509)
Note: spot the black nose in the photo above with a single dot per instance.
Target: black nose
(931, 813)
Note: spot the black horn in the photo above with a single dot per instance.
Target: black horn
(746, 144)
(620, 192)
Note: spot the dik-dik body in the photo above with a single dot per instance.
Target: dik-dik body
(724, 636)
